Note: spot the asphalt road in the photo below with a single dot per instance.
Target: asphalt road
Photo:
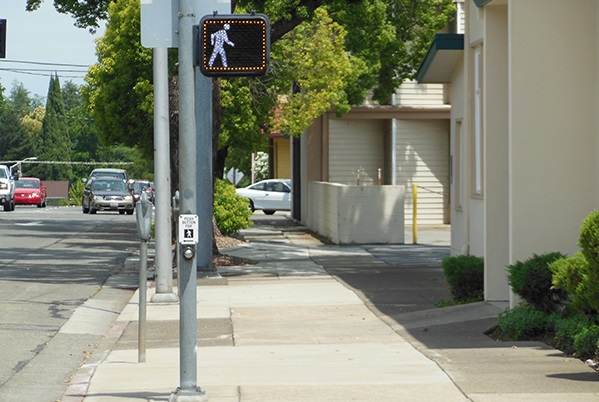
(53, 260)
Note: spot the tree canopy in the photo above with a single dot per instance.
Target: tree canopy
(325, 55)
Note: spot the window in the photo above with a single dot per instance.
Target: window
(457, 168)
(477, 137)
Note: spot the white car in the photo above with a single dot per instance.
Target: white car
(7, 189)
(268, 195)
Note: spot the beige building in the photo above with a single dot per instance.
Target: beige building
(524, 128)
(378, 152)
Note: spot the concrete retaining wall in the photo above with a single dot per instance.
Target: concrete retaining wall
(357, 214)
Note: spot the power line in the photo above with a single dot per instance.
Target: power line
(41, 63)
(16, 70)
(69, 163)
(46, 74)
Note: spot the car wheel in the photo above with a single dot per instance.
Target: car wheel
(130, 212)
(269, 211)
(121, 212)
(251, 206)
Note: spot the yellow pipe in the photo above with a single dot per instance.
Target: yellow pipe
(415, 213)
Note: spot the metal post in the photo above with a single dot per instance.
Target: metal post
(143, 289)
(204, 172)
(415, 214)
(393, 144)
(163, 260)
(143, 215)
(188, 388)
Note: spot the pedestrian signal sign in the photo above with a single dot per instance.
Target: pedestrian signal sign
(234, 45)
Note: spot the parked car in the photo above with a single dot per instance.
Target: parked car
(268, 195)
(7, 189)
(143, 186)
(107, 193)
(30, 191)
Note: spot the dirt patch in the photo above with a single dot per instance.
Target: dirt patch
(223, 260)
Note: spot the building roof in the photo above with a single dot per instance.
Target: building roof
(441, 59)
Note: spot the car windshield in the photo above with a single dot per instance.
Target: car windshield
(118, 175)
(139, 186)
(26, 184)
(112, 185)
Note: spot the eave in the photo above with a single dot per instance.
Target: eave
(441, 59)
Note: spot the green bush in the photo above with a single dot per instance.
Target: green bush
(589, 238)
(76, 192)
(566, 330)
(231, 211)
(465, 275)
(532, 280)
(570, 274)
(524, 322)
(585, 342)
(589, 243)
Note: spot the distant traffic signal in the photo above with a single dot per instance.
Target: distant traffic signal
(234, 45)
(2, 39)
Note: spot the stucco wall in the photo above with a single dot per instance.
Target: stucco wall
(357, 214)
(553, 126)
(496, 155)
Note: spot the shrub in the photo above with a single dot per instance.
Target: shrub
(523, 322)
(589, 238)
(231, 211)
(585, 342)
(465, 275)
(566, 330)
(76, 192)
(570, 274)
(532, 280)
(589, 243)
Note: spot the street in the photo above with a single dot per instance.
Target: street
(52, 261)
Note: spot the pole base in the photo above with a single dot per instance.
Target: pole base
(188, 395)
(164, 298)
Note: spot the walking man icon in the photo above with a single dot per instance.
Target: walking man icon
(218, 40)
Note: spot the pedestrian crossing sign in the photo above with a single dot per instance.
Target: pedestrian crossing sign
(188, 229)
(234, 45)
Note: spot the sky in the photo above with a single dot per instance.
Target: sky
(46, 41)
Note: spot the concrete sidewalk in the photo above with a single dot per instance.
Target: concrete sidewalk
(330, 323)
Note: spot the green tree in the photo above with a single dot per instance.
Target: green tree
(21, 100)
(33, 125)
(319, 42)
(118, 89)
(14, 143)
(385, 41)
(17, 140)
(82, 131)
(87, 14)
(56, 143)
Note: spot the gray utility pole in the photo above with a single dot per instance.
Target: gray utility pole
(188, 388)
(162, 177)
